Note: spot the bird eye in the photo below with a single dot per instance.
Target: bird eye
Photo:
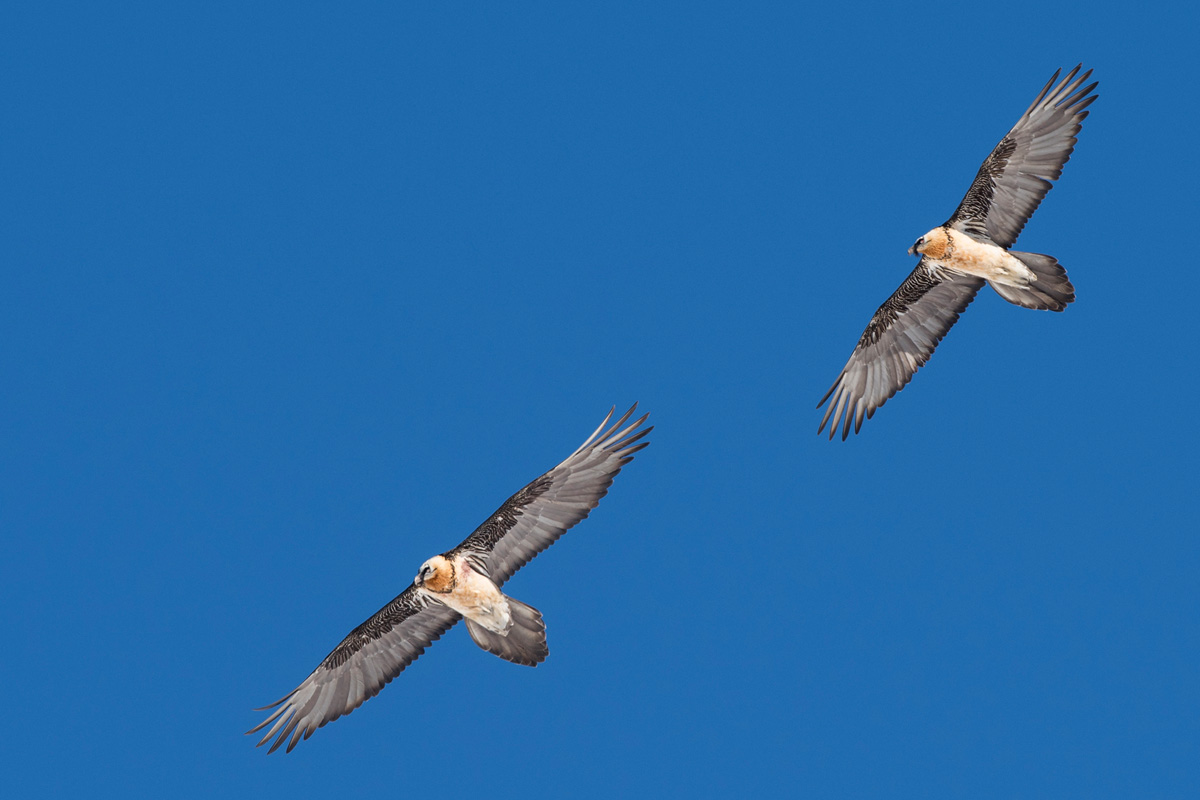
(920, 241)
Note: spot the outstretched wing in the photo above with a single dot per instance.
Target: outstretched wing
(533, 518)
(897, 342)
(1016, 176)
(365, 661)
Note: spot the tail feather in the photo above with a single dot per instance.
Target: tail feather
(525, 642)
(1052, 290)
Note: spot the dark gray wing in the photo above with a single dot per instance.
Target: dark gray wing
(533, 518)
(365, 661)
(1016, 176)
(897, 342)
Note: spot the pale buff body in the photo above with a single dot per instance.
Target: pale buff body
(957, 251)
(471, 594)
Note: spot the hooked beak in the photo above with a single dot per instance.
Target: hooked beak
(912, 251)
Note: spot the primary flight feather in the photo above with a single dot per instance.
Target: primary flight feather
(969, 250)
(463, 582)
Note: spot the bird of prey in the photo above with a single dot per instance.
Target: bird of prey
(971, 248)
(463, 582)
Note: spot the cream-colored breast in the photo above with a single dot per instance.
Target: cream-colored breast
(985, 260)
(477, 598)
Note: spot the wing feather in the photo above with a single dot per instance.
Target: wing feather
(355, 671)
(897, 342)
(533, 518)
(1016, 176)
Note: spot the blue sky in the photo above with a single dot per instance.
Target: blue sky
(294, 297)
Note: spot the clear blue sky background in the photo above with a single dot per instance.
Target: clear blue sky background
(292, 298)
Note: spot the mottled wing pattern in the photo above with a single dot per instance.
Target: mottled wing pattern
(533, 518)
(365, 661)
(1013, 180)
(897, 342)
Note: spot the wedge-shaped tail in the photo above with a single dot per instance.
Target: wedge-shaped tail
(1052, 290)
(525, 642)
